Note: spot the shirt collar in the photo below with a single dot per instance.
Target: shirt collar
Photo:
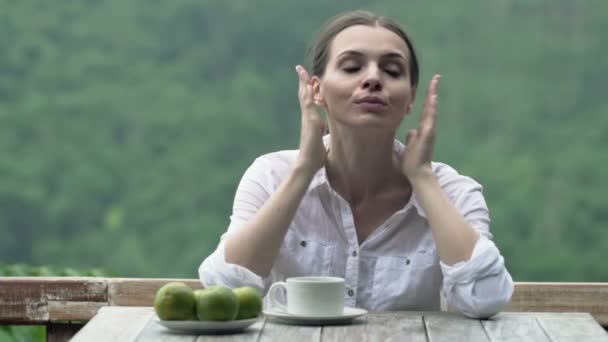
(320, 178)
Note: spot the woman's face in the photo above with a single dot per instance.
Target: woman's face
(366, 81)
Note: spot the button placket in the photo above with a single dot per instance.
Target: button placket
(352, 275)
(352, 263)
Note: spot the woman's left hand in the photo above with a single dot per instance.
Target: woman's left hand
(416, 158)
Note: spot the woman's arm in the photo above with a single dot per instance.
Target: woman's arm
(257, 244)
(454, 237)
(475, 279)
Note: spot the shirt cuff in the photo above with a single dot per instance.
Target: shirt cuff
(485, 261)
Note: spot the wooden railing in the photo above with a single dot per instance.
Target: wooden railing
(63, 304)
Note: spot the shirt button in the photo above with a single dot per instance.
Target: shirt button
(407, 261)
(351, 292)
(303, 244)
(354, 253)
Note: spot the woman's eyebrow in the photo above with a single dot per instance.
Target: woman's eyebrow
(388, 55)
(350, 53)
(394, 55)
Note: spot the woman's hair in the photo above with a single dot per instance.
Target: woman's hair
(319, 51)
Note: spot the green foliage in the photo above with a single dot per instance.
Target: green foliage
(126, 125)
(22, 333)
(22, 270)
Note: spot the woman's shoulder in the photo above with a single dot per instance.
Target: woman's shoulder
(276, 164)
(451, 180)
(277, 159)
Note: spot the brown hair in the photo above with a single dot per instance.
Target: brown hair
(319, 51)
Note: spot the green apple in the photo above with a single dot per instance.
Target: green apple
(175, 302)
(216, 303)
(250, 302)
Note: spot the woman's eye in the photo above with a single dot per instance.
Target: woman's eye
(351, 69)
(393, 72)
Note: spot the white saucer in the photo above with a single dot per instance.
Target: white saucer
(347, 317)
(208, 327)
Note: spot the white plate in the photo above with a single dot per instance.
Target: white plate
(208, 327)
(347, 317)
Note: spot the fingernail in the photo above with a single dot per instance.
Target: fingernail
(297, 68)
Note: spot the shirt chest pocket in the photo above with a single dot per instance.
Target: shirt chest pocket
(404, 282)
(306, 257)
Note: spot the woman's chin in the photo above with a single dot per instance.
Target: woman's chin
(372, 121)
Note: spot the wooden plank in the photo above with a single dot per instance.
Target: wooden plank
(115, 324)
(53, 288)
(506, 327)
(140, 292)
(274, 331)
(25, 312)
(562, 297)
(446, 326)
(155, 332)
(24, 299)
(252, 334)
(73, 311)
(572, 327)
(379, 326)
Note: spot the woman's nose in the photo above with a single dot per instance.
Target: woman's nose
(372, 80)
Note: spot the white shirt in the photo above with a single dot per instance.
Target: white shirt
(396, 268)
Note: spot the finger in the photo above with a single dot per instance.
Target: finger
(305, 88)
(411, 134)
(302, 74)
(429, 111)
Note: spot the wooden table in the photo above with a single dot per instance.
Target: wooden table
(139, 324)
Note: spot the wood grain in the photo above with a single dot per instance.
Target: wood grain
(140, 292)
(137, 324)
(73, 311)
(562, 297)
(24, 299)
(376, 326)
(572, 327)
(115, 324)
(274, 331)
(39, 300)
(449, 327)
(514, 328)
(153, 332)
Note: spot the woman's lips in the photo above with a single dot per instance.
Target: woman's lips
(373, 107)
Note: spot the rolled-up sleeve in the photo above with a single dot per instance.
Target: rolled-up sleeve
(215, 270)
(252, 192)
(481, 286)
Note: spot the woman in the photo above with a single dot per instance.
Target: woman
(357, 203)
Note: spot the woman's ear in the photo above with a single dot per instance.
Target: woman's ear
(316, 91)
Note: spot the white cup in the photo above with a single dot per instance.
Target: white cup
(310, 296)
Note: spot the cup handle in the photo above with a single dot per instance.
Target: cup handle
(272, 300)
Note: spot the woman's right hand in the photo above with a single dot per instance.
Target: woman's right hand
(312, 151)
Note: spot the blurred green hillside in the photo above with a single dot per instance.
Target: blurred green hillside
(125, 126)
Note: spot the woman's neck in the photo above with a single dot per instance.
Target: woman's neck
(363, 165)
